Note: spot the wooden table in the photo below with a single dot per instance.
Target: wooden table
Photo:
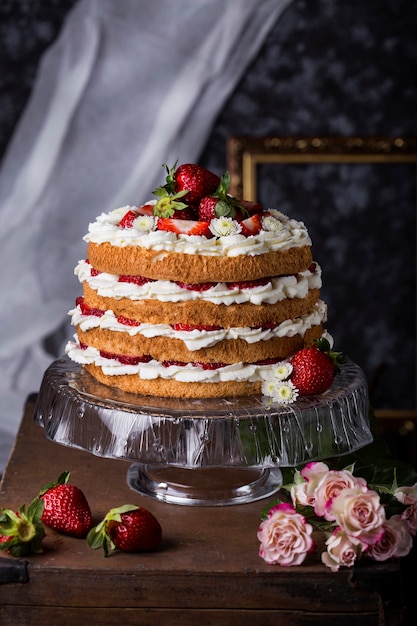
(207, 572)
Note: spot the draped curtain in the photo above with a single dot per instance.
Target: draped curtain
(127, 86)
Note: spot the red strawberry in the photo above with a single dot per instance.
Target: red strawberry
(65, 507)
(127, 321)
(207, 208)
(196, 180)
(251, 207)
(22, 532)
(314, 368)
(135, 280)
(248, 284)
(126, 359)
(184, 227)
(128, 219)
(145, 209)
(195, 286)
(87, 310)
(129, 528)
(251, 225)
(191, 327)
(219, 203)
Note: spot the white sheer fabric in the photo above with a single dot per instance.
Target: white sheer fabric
(128, 86)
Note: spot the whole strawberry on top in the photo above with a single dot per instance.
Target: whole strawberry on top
(314, 368)
(22, 531)
(196, 180)
(183, 189)
(129, 528)
(65, 507)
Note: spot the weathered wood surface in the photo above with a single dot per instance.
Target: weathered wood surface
(208, 567)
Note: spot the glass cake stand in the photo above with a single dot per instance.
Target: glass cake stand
(202, 451)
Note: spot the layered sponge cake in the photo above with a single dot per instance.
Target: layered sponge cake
(194, 294)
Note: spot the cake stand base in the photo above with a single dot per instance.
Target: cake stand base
(204, 486)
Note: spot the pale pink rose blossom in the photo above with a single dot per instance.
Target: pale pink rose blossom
(359, 513)
(285, 536)
(410, 516)
(330, 485)
(303, 492)
(314, 471)
(394, 543)
(406, 495)
(342, 550)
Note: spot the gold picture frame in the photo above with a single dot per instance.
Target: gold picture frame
(246, 154)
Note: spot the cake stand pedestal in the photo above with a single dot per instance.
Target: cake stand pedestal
(205, 452)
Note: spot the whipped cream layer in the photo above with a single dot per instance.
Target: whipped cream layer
(275, 290)
(197, 339)
(287, 233)
(154, 369)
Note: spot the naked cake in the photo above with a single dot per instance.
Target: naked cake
(195, 293)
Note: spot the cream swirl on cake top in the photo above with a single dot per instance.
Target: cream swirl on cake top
(287, 233)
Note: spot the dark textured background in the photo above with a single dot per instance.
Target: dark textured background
(328, 68)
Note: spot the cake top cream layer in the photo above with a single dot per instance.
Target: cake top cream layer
(278, 232)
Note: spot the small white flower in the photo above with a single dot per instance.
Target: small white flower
(271, 223)
(282, 370)
(224, 226)
(282, 392)
(145, 223)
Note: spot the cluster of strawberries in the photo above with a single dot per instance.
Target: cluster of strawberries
(64, 507)
(191, 197)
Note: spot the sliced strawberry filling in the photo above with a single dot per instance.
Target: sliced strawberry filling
(146, 358)
(127, 321)
(87, 310)
(195, 286)
(204, 366)
(136, 280)
(249, 284)
(125, 359)
(191, 327)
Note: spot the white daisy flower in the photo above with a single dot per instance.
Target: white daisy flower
(224, 226)
(282, 370)
(145, 223)
(272, 224)
(281, 392)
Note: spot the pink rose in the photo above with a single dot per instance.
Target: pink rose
(303, 492)
(410, 516)
(342, 550)
(285, 537)
(329, 487)
(406, 495)
(359, 513)
(395, 542)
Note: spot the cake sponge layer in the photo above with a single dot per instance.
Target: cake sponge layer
(194, 268)
(167, 349)
(173, 388)
(203, 313)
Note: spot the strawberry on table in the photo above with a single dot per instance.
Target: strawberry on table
(65, 507)
(22, 532)
(129, 528)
